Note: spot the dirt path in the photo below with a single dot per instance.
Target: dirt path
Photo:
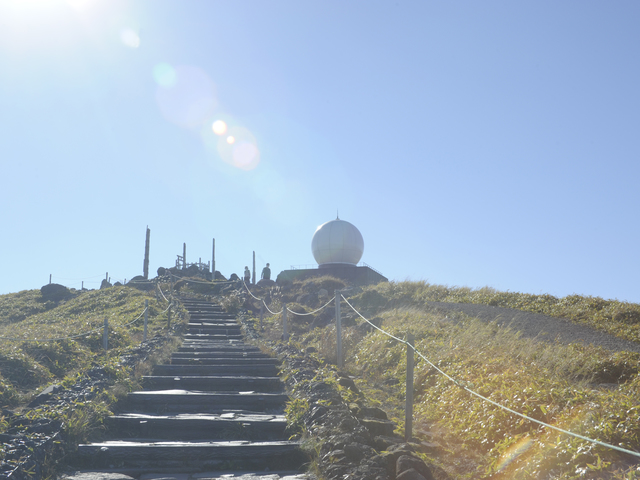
(541, 327)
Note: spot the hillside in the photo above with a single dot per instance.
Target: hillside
(584, 389)
(59, 344)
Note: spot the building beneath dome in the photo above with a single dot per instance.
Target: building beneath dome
(337, 247)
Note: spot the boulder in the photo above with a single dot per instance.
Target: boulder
(105, 284)
(234, 277)
(55, 292)
(406, 463)
(264, 283)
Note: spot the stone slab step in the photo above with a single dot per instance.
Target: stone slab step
(194, 456)
(229, 353)
(250, 369)
(224, 426)
(197, 360)
(212, 336)
(186, 401)
(198, 347)
(211, 383)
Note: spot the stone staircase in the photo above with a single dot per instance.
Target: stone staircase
(215, 412)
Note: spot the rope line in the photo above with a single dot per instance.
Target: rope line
(521, 415)
(311, 313)
(261, 300)
(57, 339)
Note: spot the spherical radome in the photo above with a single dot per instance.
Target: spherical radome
(337, 241)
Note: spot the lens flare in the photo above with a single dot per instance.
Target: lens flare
(245, 155)
(219, 127)
(130, 38)
(239, 148)
(514, 452)
(190, 99)
(164, 75)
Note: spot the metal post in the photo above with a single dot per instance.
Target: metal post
(169, 315)
(254, 267)
(106, 276)
(105, 335)
(82, 285)
(145, 264)
(408, 409)
(49, 279)
(261, 314)
(285, 334)
(213, 260)
(146, 316)
(338, 329)
(184, 256)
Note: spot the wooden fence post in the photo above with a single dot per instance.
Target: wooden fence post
(285, 333)
(105, 335)
(261, 313)
(169, 315)
(408, 410)
(338, 329)
(146, 316)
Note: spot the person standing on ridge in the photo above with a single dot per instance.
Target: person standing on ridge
(247, 276)
(266, 273)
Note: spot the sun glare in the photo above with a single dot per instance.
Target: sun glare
(219, 127)
(231, 139)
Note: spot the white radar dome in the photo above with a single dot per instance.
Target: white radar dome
(337, 241)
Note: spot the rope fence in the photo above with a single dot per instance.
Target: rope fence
(466, 386)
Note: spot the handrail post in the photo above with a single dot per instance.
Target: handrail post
(261, 313)
(105, 335)
(285, 334)
(146, 316)
(408, 410)
(338, 330)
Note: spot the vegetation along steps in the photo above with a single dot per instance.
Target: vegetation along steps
(217, 407)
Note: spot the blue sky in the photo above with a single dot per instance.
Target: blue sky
(472, 143)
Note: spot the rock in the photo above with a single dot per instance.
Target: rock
(410, 474)
(55, 292)
(95, 476)
(374, 412)
(264, 283)
(379, 427)
(323, 294)
(105, 284)
(234, 277)
(219, 276)
(348, 383)
(162, 271)
(407, 462)
(45, 395)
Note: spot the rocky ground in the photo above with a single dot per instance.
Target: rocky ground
(35, 440)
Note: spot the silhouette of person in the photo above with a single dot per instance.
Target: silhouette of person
(247, 275)
(266, 273)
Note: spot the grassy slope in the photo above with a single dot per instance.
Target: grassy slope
(582, 389)
(27, 365)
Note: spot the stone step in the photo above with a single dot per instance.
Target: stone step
(194, 456)
(210, 383)
(212, 347)
(225, 426)
(205, 336)
(238, 360)
(228, 353)
(184, 401)
(252, 369)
